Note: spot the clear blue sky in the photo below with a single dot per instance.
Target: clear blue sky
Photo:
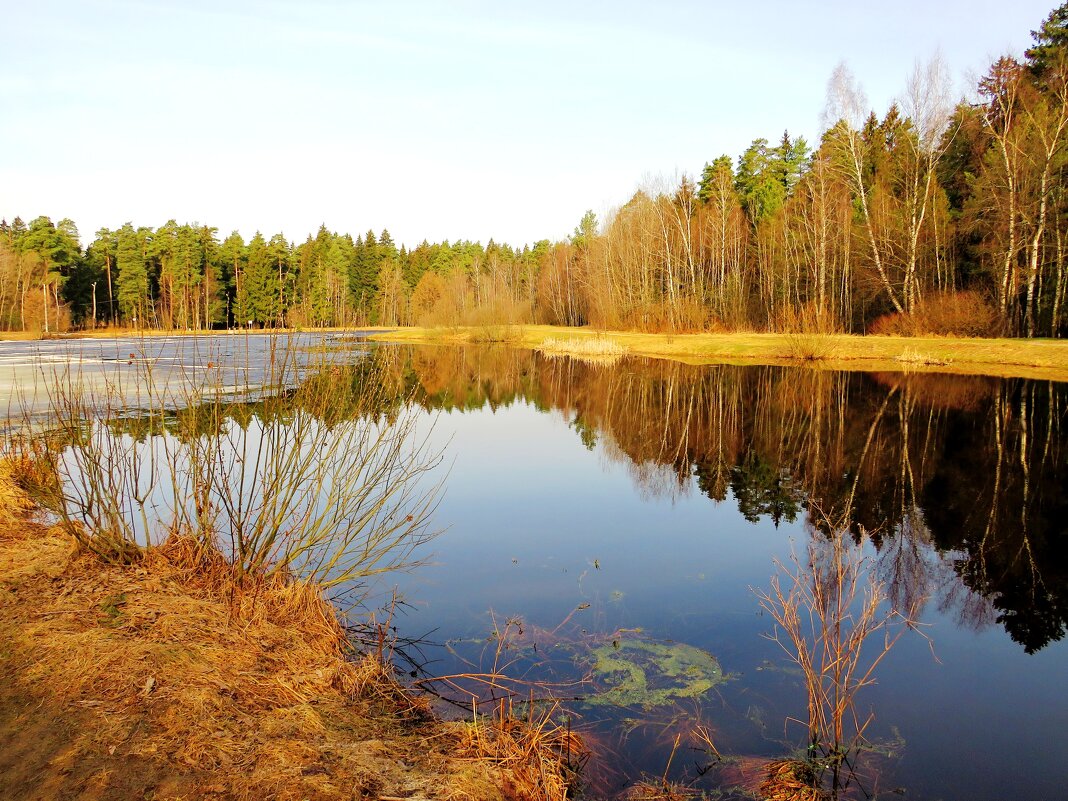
(462, 120)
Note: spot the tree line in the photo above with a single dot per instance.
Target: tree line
(186, 277)
(940, 216)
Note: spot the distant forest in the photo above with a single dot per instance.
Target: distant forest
(941, 217)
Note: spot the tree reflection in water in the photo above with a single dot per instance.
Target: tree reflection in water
(959, 477)
(956, 478)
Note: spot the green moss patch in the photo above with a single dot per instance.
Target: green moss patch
(635, 673)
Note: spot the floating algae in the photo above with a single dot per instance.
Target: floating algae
(648, 675)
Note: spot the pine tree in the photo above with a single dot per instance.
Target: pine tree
(232, 259)
(363, 272)
(211, 299)
(1050, 50)
(55, 250)
(759, 186)
(132, 278)
(256, 297)
(711, 178)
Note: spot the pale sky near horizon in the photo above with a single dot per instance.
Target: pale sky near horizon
(465, 120)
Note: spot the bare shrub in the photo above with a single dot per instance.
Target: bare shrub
(894, 325)
(806, 319)
(687, 315)
(691, 317)
(306, 476)
(593, 349)
(650, 318)
(808, 347)
(961, 314)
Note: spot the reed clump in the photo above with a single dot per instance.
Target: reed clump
(516, 724)
(836, 622)
(809, 347)
(593, 349)
(914, 357)
(791, 780)
(536, 754)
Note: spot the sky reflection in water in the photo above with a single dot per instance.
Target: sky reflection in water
(655, 496)
(576, 484)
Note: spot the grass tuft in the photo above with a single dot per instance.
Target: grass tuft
(791, 780)
(808, 347)
(912, 356)
(598, 350)
(532, 748)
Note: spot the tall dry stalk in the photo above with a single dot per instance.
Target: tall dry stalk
(835, 622)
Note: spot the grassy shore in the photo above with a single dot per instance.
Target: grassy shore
(1044, 359)
(163, 679)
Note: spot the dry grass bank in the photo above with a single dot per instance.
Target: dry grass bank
(1037, 358)
(162, 679)
(589, 349)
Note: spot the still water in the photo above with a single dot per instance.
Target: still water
(617, 522)
(648, 501)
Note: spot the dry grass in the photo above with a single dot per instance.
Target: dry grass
(529, 749)
(167, 676)
(914, 357)
(777, 780)
(660, 791)
(590, 349)
(15, 502)
(809, 347)
(790, 780)
(1043, 359)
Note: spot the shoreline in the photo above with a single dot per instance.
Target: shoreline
(163, 679)
(1041, 359)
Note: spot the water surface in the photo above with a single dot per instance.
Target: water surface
(604, 511)
(655, 496)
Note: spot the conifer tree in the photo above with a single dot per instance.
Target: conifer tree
(132, 278)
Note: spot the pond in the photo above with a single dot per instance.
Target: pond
(653, 498)
(607, 529)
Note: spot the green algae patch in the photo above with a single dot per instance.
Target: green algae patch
(643, 674)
